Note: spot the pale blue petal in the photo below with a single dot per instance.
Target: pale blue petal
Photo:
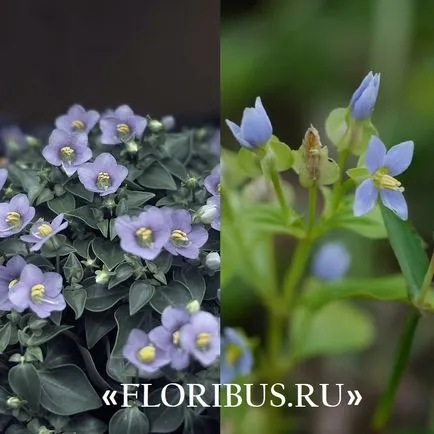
(375, 154)
(236, 131)
(399, 157)
(395, 201)
(365, 199)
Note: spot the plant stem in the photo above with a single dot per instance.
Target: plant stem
(277, 184)
(312, 209)
(337, 187)
(426, 286)
(384, 408)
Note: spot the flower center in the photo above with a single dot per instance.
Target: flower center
(146, 354)
(13, 219)
(44, 229)
(219, 188)
(12, 283)
(77, 125)
(144, 236)
(176, 338)
(103, 181)
(123, 129)
(383, 180)
(203, 341)
(232, 354)
(37, 292)
(179, 238)
(67, 154)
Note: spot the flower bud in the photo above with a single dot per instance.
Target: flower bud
(193, 307)
(102, 277)
(155, 126)
(363, 100)
(207, 213)
(331, 262)
(14, 402)
(168, 122)
(132, 147)
(212, 261)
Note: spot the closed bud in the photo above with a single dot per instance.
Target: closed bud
(132, 147)
(168, 122)
(212, 261)
(193, 307)
(206, 214)
(14, 402)
(191, 182)
(102, 276)
(155, 126)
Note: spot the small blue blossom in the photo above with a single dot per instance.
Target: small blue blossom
(212, 181)
(3, 177)
(15, 215)
(13, 137)
(255, 130)
(363, 100)
(383, 167)
(77, 119)
(237, 358)
(9, 277)
(331, 262)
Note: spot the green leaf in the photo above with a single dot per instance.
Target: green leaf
(109, 253)
(165, 419)
(358, 174)
(97, 325)
(45, 195)
(112, 229)
(141, 293)
(64, 247)
(73, 269)
(82, 247)
(84, 214)
(192, 278)
(138, 198)
(12, 246)
(175, 294)
(409, 251)
(157, 178)
(249, 162)
(77, 189)
(337, 328)
(175, 168)
(67, 391)
(76, 300)
(62, 204)
(336, 125)
(94, 374)
(179, 146)
(129, 421)
(85, 424)
(103, 226)
(49, 332)
(284, 158)
(388, 288)
(100, 298)
(123, 272)
(24, 381)
(5, 336)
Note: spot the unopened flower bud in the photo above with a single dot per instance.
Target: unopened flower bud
(132, 146)
(193, 307)
(363, 100)
(102, 277)
(168, 122)
(207, 213)
(191, 182)
(14, 402)
(212, 261)
(155, 126)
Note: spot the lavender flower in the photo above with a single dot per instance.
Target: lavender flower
(143, 354)
(41, 292)
(168, 122)
(13, 137)
(9, 276)
(167, 336)
(185, 239)
(255, 130)
(331, 262)
(215, 143)
(3, 177)
(121, 126)
(103, 176)
(214, 201)
(363, 100)
(383, 166)
(144, 235)
(68, 150)
(42, 231)
(201, 337)
(15, 215)
(77, 119)
(237, 358)
(212, 182)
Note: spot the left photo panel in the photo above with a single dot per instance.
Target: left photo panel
(110, 217)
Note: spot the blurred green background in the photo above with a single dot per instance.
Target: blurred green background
(305, 58)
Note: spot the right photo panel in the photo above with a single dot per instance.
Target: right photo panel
(327, 217)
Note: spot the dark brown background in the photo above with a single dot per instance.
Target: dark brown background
(158, 56)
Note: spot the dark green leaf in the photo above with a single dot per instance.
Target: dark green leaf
(179, 146)
(138, 198)
(82, 247)
(64, 247)
(100, 298)
(77, 189)
(92, 371)
(84, 214)
(67, 391)
(25, 382)
(76, 300)
(85, 424)
(45, 195)
(49, 332)
(5, 336)
(123, 272)
(40, 262)
(12, 246)
(141, 293)
(112, 228)
(73, 269)
(97, 325)
(129, 421)
(109, 253)
(175, 294)
(175, 168)
(192, 278)
(157, 177)
(164, 419)
(62, 204)
(103, 226)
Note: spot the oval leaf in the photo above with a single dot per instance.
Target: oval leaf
(140, 294)
(24, 381)
(129, 421)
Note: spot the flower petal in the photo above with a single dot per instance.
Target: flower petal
(375, 154)
(365, 199)
(399, 157)
(236, 131)
(395, 201)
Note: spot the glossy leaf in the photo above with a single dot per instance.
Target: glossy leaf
(157, 177)
(25, 382)
(109, 253)
(129, 421)
(175, 294)
(140, 294)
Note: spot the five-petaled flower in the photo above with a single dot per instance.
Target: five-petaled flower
(383, 167)
(15, 215)
(9, 277)
(185, 239)
(141, 352)
(41, 292)
(167, 336)
(331, 261)
(144, 235)
(236, 359)
(103, 176)
(255, 130)
(77, 119)
(201, 337)
(42, 231)
(363, 100)
(212, 181)
(121, 126)
(67, 149)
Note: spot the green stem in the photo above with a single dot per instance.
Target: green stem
(277, 184)
(426, 286)
(312, 209)
(384, 408)
(337, 187)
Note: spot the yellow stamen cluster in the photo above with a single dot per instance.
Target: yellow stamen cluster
(103, 180)
(13, 219)
(67, 153)
(203, 341)
(176, 338)
(146, 354)
(77, 125)
(37, 292)
(179, 237)
(44, 229)
(123, 129)
(383, 180)
(12, 283)
(144, 236)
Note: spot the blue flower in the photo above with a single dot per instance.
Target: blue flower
(3, 177)
(363, 100)
(331, 262)
(255, 130)
(237, 358)
(383, 166)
